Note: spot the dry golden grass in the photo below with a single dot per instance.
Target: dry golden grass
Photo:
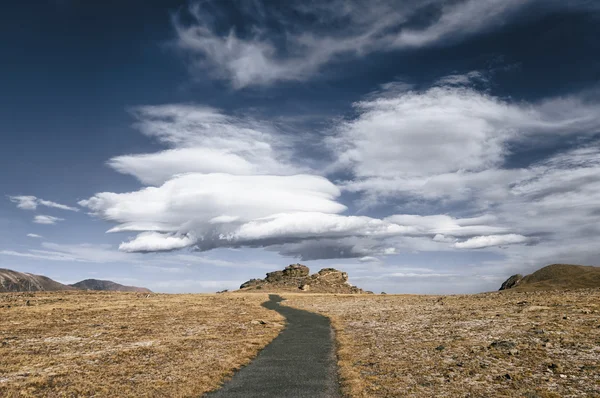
(512, 344)
(106, 344)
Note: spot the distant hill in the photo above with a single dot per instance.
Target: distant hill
(556, 276)
(13, 281)
(297, 278)
(96, 284)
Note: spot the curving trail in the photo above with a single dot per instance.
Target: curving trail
(300, 362)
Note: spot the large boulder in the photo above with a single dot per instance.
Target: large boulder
(511, 282)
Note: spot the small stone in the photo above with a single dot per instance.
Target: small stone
(440, 348)
(554, 367)
(513, 352)
(503, 345)
(562, 376)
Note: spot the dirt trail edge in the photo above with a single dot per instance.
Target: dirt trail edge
(300, 362)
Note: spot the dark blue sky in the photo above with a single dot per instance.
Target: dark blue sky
(74, 71)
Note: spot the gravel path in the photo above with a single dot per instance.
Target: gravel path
(300, 362)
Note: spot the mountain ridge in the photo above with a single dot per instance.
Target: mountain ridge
(14, 281)
(104, 285)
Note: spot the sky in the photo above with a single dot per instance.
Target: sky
(187, 146)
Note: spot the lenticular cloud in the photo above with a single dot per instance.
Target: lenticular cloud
(228, 181)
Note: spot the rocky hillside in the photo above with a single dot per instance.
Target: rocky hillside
(556, 276)
(13, 281)
(297, 278)
(96, 284)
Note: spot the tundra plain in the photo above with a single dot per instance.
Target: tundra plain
(514, 344)
(109, 344)
(502, 344)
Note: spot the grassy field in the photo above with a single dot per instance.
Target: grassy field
(127, 344)
(523, 344)
(514, 344)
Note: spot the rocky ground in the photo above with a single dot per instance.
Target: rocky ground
(508, 344)
(297, 278)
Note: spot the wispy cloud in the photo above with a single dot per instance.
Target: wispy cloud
(35, 236)
(310, 35)
(49, 220)
(88, 253)
(27, 202)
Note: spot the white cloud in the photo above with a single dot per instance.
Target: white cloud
(34, 236)
(438, 148)
(446, 225)
(155, 241)
(204, 140)
(27, 202)
(314, 225)
(414, 137)
(42, 219)
(260, 56)
(479, 242)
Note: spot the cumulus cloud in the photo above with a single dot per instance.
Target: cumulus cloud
(49, 220)
(443, 147)
(259, 54)
(255, 206)
(423, 140)
(548, 201)
(27, 202)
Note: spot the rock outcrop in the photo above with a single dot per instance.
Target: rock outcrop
(511, 282)
(297, 278)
